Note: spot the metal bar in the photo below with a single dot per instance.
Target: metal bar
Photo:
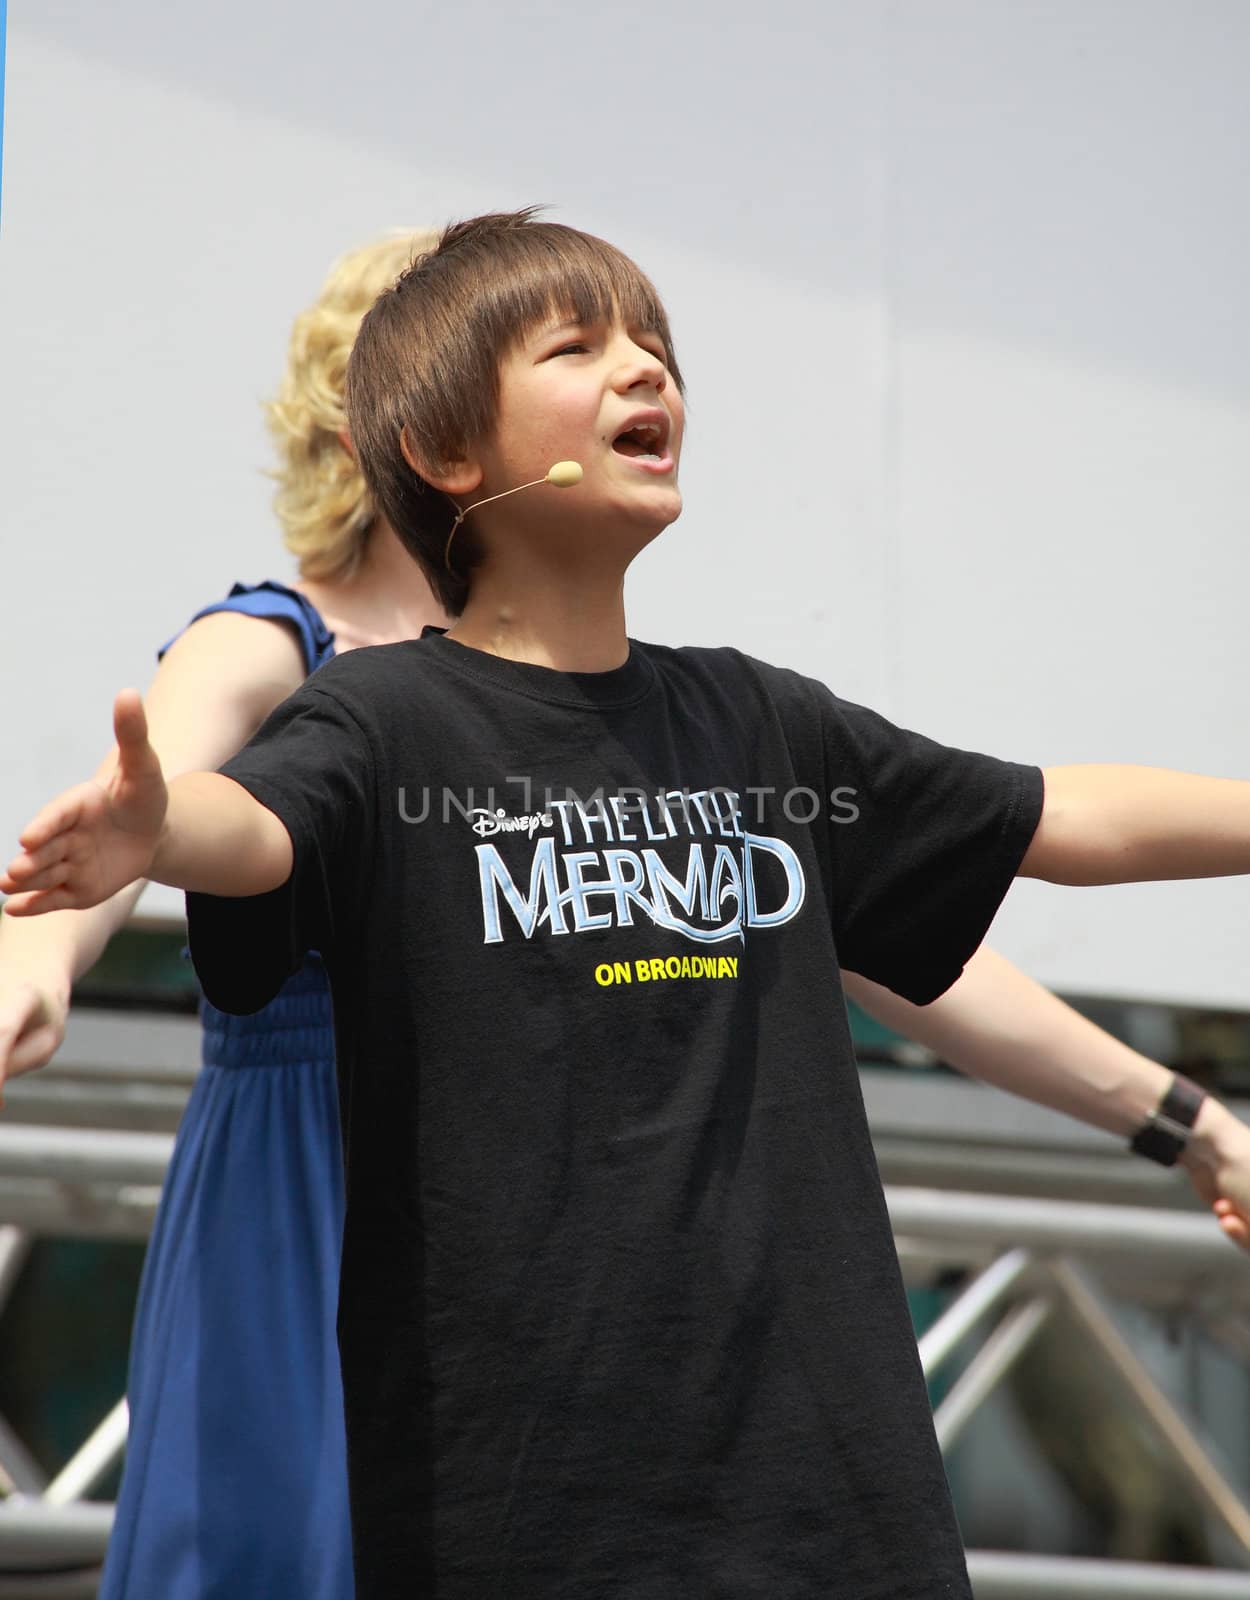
(977, 1301)
(92, 1211)
(1192, 1242)
(42, 1537)
(1232, 1333)
(14, 1248)
(19, 1471)
(1104, 1177)
(998, 1576)
(81, 1155)
(1174, 1239)
(988, 1367)
(80, 1585)
(1168, 1422)
(128, 1045)
(72, 1102)
(941, 1110)
(93, 1460)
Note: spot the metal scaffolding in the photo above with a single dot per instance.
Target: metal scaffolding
(1025, 1257)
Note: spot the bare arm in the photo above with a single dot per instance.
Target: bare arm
(213, 689)
(1104, 824)
(999, 1025)
(218, 839)
(40, 961)
(204, 832)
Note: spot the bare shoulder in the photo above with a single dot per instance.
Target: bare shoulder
(240, 649)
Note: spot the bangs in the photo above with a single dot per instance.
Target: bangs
(560, 272)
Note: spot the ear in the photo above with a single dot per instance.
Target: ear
(452, 477)
(345, 439)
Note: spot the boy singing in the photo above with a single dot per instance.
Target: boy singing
(620, 1313)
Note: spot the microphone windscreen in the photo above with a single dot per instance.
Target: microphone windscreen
(564, 474)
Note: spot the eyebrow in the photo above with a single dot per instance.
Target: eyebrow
(550, 329)
(555, 330)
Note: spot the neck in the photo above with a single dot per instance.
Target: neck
(548, 621)
(385, 600)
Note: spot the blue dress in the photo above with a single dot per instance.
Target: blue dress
(235, 1484)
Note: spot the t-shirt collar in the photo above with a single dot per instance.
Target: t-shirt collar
(602, 691)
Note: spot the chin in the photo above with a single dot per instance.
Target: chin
(662, 505)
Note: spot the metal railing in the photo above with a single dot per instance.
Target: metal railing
(1027, 1257)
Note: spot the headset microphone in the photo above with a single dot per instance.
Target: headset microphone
(563, 475)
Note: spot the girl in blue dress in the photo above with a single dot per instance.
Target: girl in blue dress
(235, 1480)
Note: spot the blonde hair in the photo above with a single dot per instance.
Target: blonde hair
(322, 501)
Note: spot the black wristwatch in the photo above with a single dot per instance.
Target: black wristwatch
(1166, 1134)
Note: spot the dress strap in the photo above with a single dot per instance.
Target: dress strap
(275, 602)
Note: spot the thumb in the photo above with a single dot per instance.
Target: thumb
(23, 1017)
(130, 725)
(34, 1049)
(135, 755)
(11, 1025)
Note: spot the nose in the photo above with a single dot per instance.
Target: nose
(638, 365)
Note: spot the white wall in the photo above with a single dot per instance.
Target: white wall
(959, 289)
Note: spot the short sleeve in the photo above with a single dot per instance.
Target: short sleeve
(311, 764)
(924, 842)
(274, 602)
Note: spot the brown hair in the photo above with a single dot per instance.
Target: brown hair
(428, 355)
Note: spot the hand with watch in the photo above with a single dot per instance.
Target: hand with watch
(1190, 1128)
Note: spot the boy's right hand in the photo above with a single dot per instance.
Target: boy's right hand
(93, 840)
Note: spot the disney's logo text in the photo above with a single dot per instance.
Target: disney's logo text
(488, 823)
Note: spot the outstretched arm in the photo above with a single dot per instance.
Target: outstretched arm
(204, 832)
(999, 1025)
(214, 687)
(1105, 824)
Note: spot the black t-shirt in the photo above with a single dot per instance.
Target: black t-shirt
(620, 1312)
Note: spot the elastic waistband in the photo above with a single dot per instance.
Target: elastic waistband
(296, 1026)
(273, 1046)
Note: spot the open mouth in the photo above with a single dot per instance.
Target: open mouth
(644, 440)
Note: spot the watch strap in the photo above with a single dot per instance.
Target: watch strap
(1164, 1136)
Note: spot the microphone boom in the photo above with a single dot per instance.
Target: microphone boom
(561, 475)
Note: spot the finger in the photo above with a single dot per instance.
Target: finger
(57, 817)
(24, 867)
(35, 903)
(1236, 1229)
(26, 876)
